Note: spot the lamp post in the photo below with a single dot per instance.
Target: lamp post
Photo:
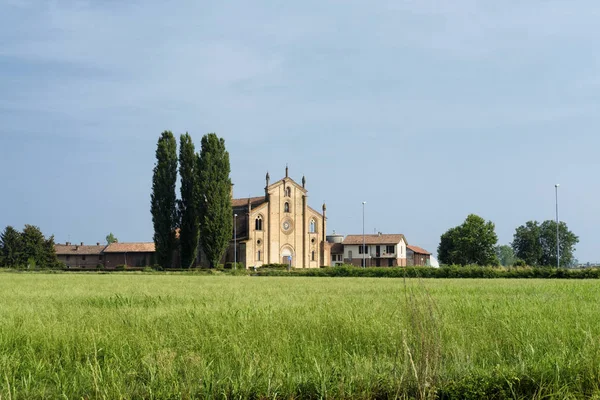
(364, 249)
(557, 239)
(234, 241)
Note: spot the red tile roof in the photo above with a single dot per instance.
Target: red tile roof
(255, 201)
(374, 239)
(418, 250)
(72, 250)
(147, 247)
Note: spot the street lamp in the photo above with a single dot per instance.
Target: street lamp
(234, 241)
(364, 249)
(557, 239)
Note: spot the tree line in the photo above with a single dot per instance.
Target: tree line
(28, 248)
(203, 213)
(534, 244)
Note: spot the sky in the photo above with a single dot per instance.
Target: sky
(427, 110)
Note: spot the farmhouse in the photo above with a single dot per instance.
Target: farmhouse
(80, 255)
(130, 254)
(379, 250)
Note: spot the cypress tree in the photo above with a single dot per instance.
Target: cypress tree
(164, 200)
(189, 233)
(216, 223)
(11, 247)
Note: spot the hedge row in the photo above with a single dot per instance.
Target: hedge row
(443, 272)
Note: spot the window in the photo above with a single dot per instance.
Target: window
(312, 226)
(313, 256)
(258, 224)
(390, 262)
(258, 256)
(363, 250)
(350, 254)
(286, 207)
(288, 192)
(390, 249)
(68, 257)
(83, 258)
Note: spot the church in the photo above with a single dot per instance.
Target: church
(279, 228)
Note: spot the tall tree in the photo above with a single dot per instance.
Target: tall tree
(164, 199)
(215, 211)
(50, 259)
(10, 247)
(526, 243)
(473, 242)
(189, 232)
(33, 242)
(536, 243)
(506, 255)
(110, 238)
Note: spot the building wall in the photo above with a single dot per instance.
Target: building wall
(112, 260)
(81, 261)
(352, 255)
(372, 262)
(416, 259)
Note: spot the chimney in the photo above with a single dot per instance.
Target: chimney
(231, 191)
(97, 243)
(67, 243)
(81, 243)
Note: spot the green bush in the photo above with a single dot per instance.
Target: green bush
(230, 265)
(121, 267)
(452, 271)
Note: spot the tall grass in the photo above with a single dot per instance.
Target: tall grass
(169, 336)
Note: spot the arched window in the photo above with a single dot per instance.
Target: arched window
(258, 256)
(288, 192)
(313, 226)
(286, 207)
(313, 255)
(258, 224)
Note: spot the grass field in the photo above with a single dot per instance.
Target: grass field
(176, 336)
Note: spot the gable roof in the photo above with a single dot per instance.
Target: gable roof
(147, 247)
(374, 239)
(418, 250)
(74, 250)
(254, 201)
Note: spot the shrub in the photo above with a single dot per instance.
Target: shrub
(121, 267)
(452, 271)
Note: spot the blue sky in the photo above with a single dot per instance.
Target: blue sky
(427, 110)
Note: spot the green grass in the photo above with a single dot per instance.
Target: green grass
(173, 336)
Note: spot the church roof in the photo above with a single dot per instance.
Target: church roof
(254, 201)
